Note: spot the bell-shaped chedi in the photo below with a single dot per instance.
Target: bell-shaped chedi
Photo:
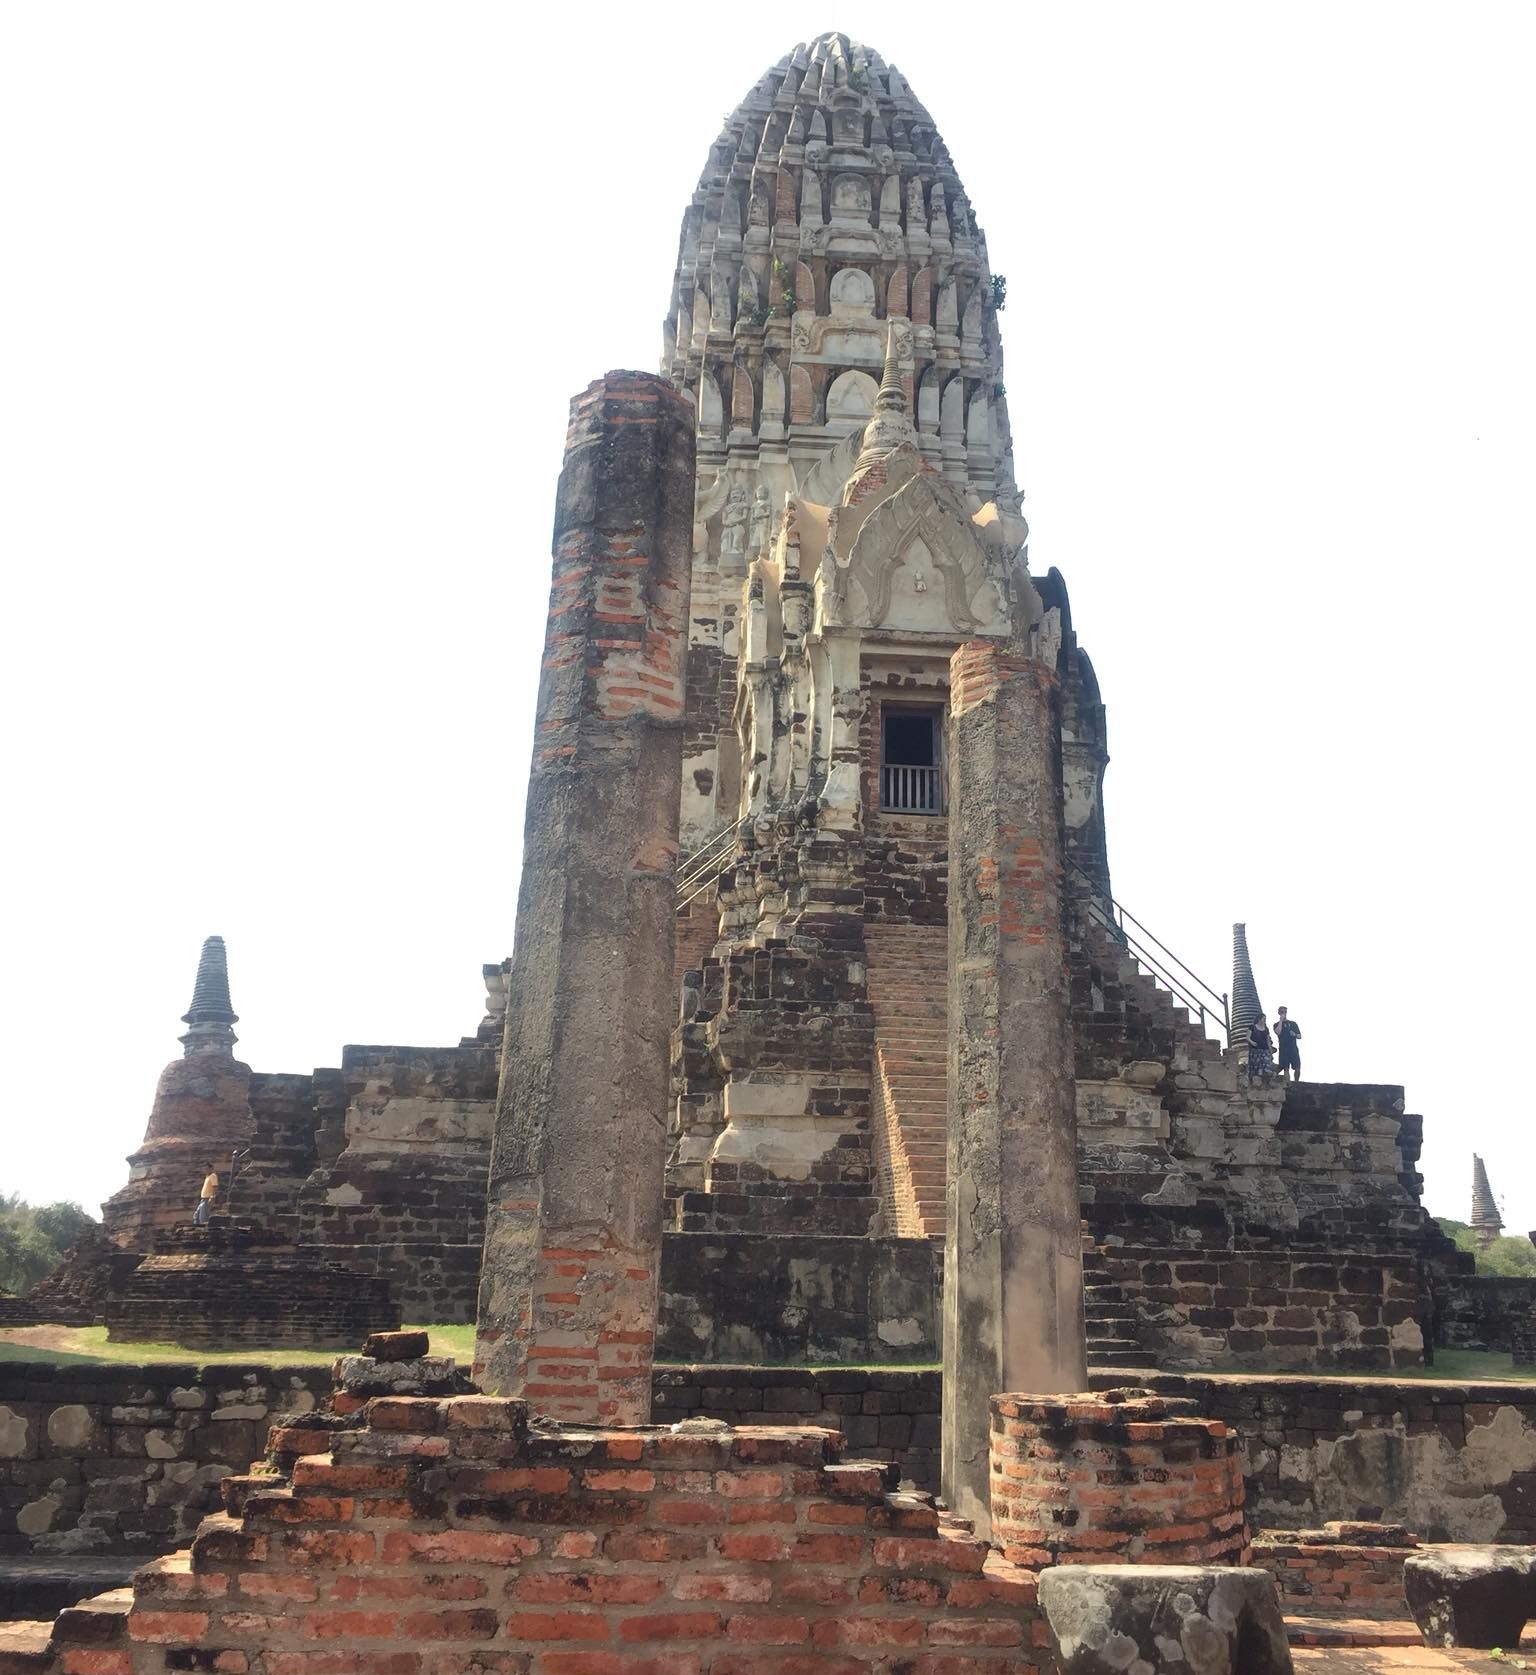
(201, 1116)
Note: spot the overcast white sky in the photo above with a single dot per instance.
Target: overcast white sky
(293, 298)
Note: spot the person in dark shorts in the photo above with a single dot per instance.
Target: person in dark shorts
(1261, 1052)
(1290, 1054)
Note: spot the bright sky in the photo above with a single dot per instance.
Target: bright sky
(295, 295)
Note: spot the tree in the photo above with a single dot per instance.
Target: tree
(1507, 1258)
(32, 1239)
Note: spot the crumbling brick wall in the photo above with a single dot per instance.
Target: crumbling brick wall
(444, 1536)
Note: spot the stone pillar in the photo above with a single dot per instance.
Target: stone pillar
(1013, 1286)
(567, 1310)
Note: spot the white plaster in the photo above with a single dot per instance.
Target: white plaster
(36, 1517)
(71, 1426)
(899, 1332)
(14, 1429)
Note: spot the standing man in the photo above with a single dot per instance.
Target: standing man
(1290, 1054)
(206, 1197)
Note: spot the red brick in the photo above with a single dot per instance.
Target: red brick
(166, 1628)
(414, 1585)
(803, 1589)
(85, 1661)
(640, 1482)
(911, 1553)
(750, 1485)
(340, 1548)
(653, 1546)
(448, 1625)
(477, 1663)
(688, 1512)
(830, 1512)
(870, 1631)
(556, 1625)
(904, 1590)
(671, 1625)
(404, 1413)
(620, 1663)
(973, 1631)
(340, 1663)
(350, 1625)
(769, 1630)
(759, 1548)
(576, 1544)
(261, 1584)
(321, 1474)
(578, 1587)
(760, 1512)
(457, 1547)
(740, 1590)
(828, 1549)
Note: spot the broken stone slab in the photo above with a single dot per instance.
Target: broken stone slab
(426, 1375)
(1471, 1596)
(1140, 1619)
(395, 1346)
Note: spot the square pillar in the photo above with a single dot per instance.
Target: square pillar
(567, 1309)
(1013, 1271)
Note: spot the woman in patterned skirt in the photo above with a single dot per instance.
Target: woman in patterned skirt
(1261, 1052)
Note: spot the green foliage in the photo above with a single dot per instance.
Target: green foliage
(999, 291)
(32, 1239)
(1506, 1258)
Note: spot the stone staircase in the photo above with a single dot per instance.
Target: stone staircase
(908, 988)
(1109, 1320)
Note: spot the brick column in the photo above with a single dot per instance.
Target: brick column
(567, 1311)
(1013, 1289)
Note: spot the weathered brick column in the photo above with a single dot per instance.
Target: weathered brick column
(567, 1310)
(1119, 1477)
(1013, 1288)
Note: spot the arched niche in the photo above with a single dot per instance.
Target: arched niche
(852, 292)
(851, 400)
(711, 408)
(852, 199)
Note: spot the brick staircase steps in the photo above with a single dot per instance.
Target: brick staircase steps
(908, 988)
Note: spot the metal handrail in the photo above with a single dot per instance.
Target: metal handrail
(704, 866)
(1186, 989)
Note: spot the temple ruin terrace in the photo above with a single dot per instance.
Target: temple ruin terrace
(877, 1255)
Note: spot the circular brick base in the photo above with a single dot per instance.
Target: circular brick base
(1120, 1475)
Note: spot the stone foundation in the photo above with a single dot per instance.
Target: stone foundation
(1125, 1475)
(231, 1285)
(798, 1297)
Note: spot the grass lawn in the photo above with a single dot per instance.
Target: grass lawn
(88, 1344)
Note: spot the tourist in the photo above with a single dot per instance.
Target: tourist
(1290, 1054)
(206, 1197)
(1261, 1051)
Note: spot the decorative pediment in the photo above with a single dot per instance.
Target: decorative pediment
(917, 564)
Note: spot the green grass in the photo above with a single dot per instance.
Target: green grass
(87, 1345)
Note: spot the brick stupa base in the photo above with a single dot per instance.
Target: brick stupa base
(1122, 1476)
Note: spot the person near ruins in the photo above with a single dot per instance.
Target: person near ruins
(1261, 1052)
(1289, 1034)
(206, 1197)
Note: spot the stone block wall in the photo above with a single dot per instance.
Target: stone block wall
(1481, 1311)
(798, 1297)
(1450, 1462)
(1285, 1309)
(124, 1459)
(886, 1416)
(440, 1538)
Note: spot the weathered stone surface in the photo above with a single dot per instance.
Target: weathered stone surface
(573, 1243)
(1144, 1619)
(1013, 1286)
(1471, 1596)
(395, 1346)
(423, 1375)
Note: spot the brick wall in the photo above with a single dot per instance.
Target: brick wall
(124, 1459)
(1353, 1567)
(441, 1538)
